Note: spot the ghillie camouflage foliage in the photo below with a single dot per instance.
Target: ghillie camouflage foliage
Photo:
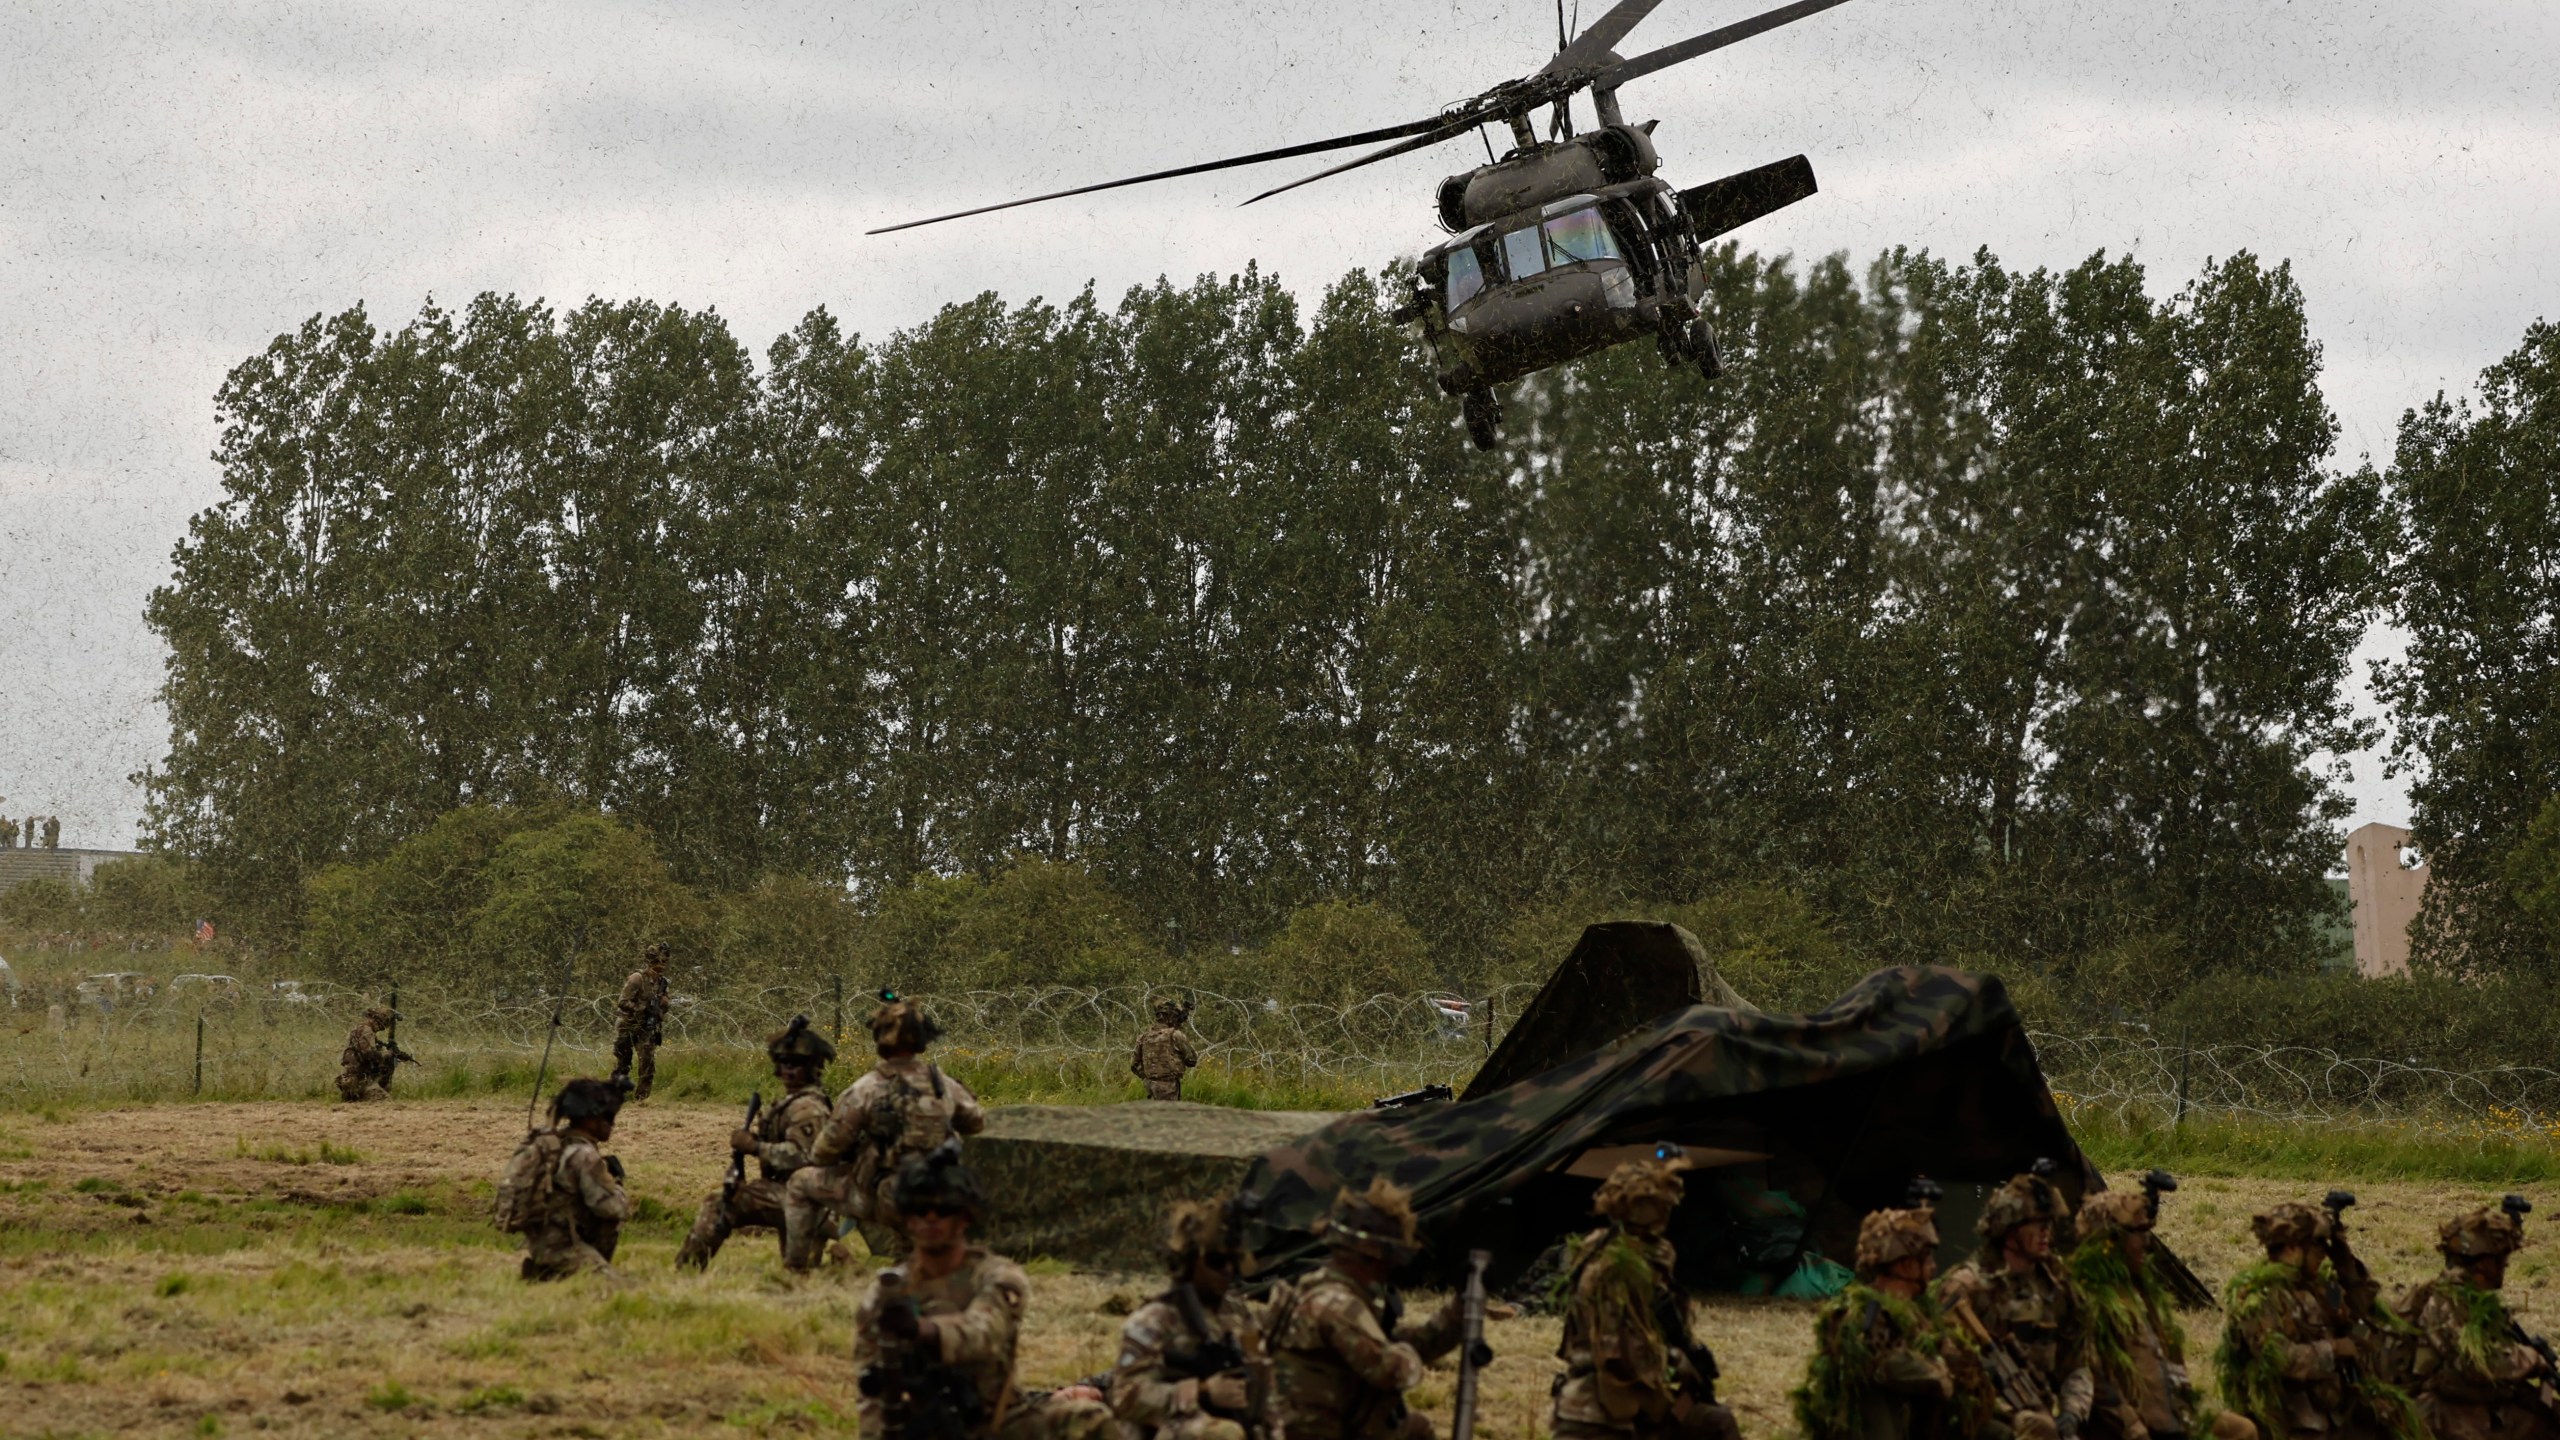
(1828, 1403)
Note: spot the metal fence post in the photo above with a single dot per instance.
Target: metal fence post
(839, 989)
(199, 1052)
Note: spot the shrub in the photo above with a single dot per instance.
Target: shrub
(43, 903)
(1034, 922)
(1341, 951)
(147, 895)
(1769, 944)
(786, 927)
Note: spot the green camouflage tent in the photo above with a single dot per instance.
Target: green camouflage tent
(1621, 976)
(1800, 1124)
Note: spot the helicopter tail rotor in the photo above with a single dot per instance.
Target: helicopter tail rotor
(1729, 204)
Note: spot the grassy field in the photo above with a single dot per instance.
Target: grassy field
(312, 1269)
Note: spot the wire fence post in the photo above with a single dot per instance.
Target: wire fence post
(199, 1053)
(2186, 1063)
(838, 980)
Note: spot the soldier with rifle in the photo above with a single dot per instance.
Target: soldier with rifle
(366, 1065)
(1342, 1350)
(1878, 1370)
(2137, 1349)
(934, 1342)
(2025, 1318)
(2477, 1374)
(2300, 1334)
(903, 1108)
(1163, 1054)
(1633, 1368)
(780, 1144)
(1192, 1362)
(562, 1192)
(640, 1022)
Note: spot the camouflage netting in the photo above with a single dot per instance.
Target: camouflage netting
(1621, 975)
(1089, 1184)
(1807, 1122)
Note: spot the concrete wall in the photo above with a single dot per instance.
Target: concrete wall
(71, 867)
(2385, 895)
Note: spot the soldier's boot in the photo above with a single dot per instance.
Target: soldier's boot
(710, 1231)
(1058, 1417)
(2231, 1425)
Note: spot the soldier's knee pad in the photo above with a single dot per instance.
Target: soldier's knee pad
(2034, 1425)
(2230, 1425)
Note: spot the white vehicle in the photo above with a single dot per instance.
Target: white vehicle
(291, 992)
(8, 981)
(114, 985)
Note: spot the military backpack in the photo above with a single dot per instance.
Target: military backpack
(525, 1187)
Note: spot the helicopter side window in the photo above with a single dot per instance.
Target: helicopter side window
(1466, 277)
(1523, 254)
(1581, 235)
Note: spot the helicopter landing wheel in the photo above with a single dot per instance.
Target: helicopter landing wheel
(1484, 418)
(1702, 345)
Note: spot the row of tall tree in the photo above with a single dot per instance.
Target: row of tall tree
(1997, 614)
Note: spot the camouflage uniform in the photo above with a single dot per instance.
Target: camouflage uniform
(1875, 1372)
(2288, 1359)
(640, 1022)
(579, 1222)
(785, 1134)
(1153, 1392)
(1164, 1054)
(904, 1107)
(366, 1065)
(2137, 1350)
(2037, 1314)
(1341, 1359)
(976, 1312)
(2475, 1380)
(1624, 1377)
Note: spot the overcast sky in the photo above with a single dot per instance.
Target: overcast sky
(181, 182)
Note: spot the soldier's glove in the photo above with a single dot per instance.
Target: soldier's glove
(613, 1167)
(899, 1320)
(1224, 1392)
(742, 1141)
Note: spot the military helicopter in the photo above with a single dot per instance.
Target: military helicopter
(1561, 247)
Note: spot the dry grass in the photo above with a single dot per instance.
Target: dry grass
(310, 1269)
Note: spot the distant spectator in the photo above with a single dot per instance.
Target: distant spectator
(8, 833)
(53, 832)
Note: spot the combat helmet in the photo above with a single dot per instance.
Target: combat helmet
(1646, 1180)
(2479, 1234)
(1377, 1222)
(590, 1099)
(2289, 1224)
(799, 1043)
(937, 1179)
(2110, 1213)
(1887, 1237)
(1196, 1230)
(900, 1024)
(2023, 1201)
(656, 952)
(1172, 1012)
(381, 1015)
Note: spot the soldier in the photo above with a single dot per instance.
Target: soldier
(1343, 1356)
(53, 832)
(1192, 1361)
(1631, 1367)
(779, 1145)
(1164, 1055)
(2016, 1299)
(2475, 1374)
(562, 1192)
(2137, 1349)
(8, 833)
(2289, 1358)
(365, 1067)
(640, 1022)
(1876, 1372)
(934, 1342)
(905, 1106)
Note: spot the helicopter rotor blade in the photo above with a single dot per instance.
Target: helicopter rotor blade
(1725, 205)
(1697, 45)
(1602, 37)
(1311, 147)
(1441, 130)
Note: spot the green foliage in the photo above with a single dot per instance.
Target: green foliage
(1341, 952)
(43, 903)
(1033, 922)
(147, 895)
(2315, 1154)
(586, 887)
(2532, 873)
(785, 925)
(1769, 944)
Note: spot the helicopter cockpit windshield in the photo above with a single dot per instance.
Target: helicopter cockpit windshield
(1576, 235)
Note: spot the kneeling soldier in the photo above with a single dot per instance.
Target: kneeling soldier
(2018, 1303)
(779, 1144)
(2137, 1349)
(1876, 1372)
(562, 1191)
(1192, 1363)
(934, 1343)
(1343, 1355)
(2289, 1359)
(1632, 1368)
(905, 1106)
(2476, 1376)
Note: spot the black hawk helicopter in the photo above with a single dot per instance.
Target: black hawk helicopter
(1564, 246)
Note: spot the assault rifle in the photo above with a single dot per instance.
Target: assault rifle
(1411, 1098)
(1473, 1353)
(738, 1158)
(1209, 1355)
(658, 1012)
(2353, 1291)
(2016, 1383)
(920, 1399)
(2518, 1207)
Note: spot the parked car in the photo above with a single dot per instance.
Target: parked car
(106, 989)
(291, 992)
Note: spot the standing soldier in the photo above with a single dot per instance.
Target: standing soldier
(779, 1145)
(640, 1022)
(904, 1107)
(1164, 1054)
(1631, 1367)
(1192, 1362)
(365, 1067)
(1876, 1372)
(934, 1342)
(2018, 1305)
(1343, 1355)
(2476, 1375)
(562, 1192)
(2289, 1358)
(2137, 1349)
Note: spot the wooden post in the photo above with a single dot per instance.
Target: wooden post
(199, 1052)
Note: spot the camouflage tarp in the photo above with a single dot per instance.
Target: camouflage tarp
(1915, 1071)
(1621, 976)
(1088, 1184)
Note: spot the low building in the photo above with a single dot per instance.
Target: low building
(2383, 891)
